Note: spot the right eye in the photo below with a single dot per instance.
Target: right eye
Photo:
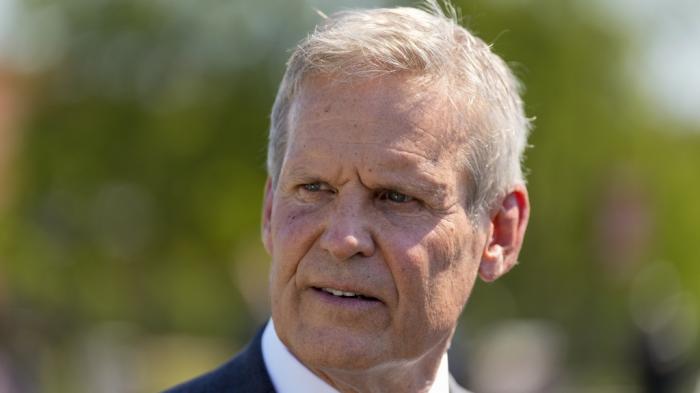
(312, 187)
(315, 189)
(315, 192)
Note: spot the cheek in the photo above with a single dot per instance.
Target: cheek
(437, 273)
(419, 258)
(455, 269)
(430, 253)
(409, 261)
(293, 232)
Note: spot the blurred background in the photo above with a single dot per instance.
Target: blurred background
(132, 140)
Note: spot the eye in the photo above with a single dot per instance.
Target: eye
(312, 187)
(314, 192)
(395, 196)
(315, 187)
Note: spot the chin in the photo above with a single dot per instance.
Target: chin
(338, 349)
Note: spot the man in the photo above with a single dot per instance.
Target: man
(394, 180)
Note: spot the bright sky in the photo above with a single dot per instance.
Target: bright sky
(7, 15)
(666, 59)
(30, 41)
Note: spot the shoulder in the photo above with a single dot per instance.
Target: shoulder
(245, 372)
(455, 387)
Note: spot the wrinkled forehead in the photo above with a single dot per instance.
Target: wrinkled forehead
(386, 109)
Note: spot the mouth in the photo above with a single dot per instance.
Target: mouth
(345, 294)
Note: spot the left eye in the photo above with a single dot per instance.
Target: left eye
(395, 196)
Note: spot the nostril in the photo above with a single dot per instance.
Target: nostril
(346, 245)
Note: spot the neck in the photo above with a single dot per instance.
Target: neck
(416, 375)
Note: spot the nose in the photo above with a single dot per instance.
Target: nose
(347, 234)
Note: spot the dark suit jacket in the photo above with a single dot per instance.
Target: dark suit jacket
(246, 373)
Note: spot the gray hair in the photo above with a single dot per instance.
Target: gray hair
(428, 42)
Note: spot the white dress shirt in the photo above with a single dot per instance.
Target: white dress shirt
(288, 375)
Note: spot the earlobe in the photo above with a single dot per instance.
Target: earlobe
(267, 216)
(506, 234)
(492, 263)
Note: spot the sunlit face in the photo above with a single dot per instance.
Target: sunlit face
(374, 254)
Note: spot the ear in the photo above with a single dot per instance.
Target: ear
(506, 234)
(267, 215)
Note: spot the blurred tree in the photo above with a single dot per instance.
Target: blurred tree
(140, 178)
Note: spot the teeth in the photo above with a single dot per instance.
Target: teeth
(339, 293)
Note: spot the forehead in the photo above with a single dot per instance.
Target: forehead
(394, 111)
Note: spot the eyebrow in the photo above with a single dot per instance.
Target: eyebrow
(301, 172)
(423, 182)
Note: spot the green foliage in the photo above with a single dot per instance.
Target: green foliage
(142, 168)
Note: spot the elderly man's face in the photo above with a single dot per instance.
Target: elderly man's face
(374, 253)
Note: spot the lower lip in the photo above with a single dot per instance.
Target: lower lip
(345, 302)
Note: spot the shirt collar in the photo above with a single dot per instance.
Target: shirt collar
(288, 375)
